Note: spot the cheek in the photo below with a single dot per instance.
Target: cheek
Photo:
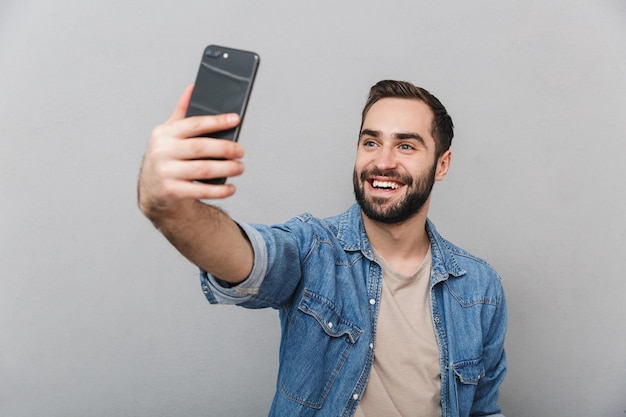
(361, 162)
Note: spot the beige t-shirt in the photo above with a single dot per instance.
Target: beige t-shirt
(406, 376)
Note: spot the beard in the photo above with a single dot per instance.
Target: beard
(377, 209)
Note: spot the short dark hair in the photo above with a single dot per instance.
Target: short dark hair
(442, 127)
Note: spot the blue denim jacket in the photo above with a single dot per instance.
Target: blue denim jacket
(322, 277)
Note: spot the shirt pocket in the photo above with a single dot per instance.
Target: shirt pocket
(467, 374)
(316, 346)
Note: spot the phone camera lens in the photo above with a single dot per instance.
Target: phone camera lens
(212, 53)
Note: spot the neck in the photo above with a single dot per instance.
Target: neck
(403, 245)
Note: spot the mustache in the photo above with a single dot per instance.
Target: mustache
(392, 175)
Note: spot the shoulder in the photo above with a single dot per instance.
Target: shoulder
(467, 259)
(301, 230)
(463, 270)
(340, 225)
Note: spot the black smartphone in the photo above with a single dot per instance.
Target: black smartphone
(223, 85)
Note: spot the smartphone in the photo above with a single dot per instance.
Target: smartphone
(223, 85)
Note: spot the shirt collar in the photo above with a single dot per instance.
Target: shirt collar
(351, 234)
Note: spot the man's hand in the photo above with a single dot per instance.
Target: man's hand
(168, 194)
(177, 155)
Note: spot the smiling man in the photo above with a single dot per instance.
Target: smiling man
(380, 315)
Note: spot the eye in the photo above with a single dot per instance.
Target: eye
(406, 147)
(369, 143)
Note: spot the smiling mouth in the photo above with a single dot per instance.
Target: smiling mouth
(384, 185)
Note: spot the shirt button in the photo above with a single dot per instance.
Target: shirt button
(330, 324)
(437, 320)
(372, 301)
(205, 288)
(355, 397)
(371, 346)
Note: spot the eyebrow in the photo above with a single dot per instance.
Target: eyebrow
(401, 136)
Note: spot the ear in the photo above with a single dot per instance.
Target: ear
(443, 164)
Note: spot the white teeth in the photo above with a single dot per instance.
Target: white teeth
(385, 184)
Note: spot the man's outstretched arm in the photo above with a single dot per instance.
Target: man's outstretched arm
(169, 196)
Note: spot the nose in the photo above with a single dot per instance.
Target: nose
(385, 160)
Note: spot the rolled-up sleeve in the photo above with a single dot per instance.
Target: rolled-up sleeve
(217, 293)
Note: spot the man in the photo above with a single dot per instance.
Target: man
(380, 315)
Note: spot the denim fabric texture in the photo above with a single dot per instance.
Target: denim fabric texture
(322, 277)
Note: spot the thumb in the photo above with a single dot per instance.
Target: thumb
(181, 107)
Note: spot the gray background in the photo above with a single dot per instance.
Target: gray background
(99, 316)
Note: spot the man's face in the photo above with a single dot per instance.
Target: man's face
(395, 167)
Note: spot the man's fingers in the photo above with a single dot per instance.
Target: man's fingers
(178, 154)
(204, 125)
(207, 148)
(183, 104)
(201, 169)
(171, 192)
(201, 191)
(198, 125)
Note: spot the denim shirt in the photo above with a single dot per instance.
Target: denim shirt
(322, 277)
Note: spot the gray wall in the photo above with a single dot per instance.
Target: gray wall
(100, 317)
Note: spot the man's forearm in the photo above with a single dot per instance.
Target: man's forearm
(209, 238)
